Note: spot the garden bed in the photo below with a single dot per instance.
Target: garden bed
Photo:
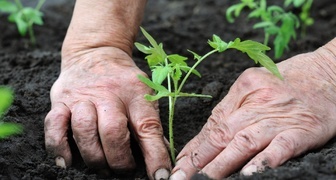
(180, 25)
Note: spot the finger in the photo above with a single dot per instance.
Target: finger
(213, 138)
(148, 130)
(284, 146)
(115, 136)
(85, 132)
(56, 138)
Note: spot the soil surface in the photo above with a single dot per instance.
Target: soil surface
(180, 25)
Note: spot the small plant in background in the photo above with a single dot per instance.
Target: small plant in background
(24, 17)
(174, 70)
(304, 15)
(6, 99)
(274, 20)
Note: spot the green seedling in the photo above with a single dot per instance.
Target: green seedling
(304, 15)
(174, 70)
(274, 20)
(24, 17)
(6, 99)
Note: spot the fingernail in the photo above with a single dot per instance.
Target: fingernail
(161, 174)
(60, 162)
(178, 175)
(249, 170)
(179, 160)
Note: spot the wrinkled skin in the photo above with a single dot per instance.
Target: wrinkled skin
(99, 96)
(264, 121)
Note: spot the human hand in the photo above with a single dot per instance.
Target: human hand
(99, 96)
(264, 121)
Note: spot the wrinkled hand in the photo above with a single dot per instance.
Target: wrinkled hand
(99, 96)
(264, 121)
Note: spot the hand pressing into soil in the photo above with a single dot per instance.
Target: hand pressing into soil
(98, 95)
(101, 101)
(264, 121)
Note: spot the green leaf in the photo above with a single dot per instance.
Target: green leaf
(255, 51)
(156, 54)
(149, 83)
(263, 24)
(187, 68)
(142, 48)
(8, 129)
(196, 56)
(6, 99)
(217, 43)
(159, 74)
(232, 10)
(20, 23)
(177, 73)
(159, 95)
(177, 59)
(7, 7)
(32, 15)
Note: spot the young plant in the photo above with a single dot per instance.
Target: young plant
(23, 17)
(6, 99)
(274, 20)
(174, 70)
(304, 15)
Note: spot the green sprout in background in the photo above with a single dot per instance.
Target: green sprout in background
(23, 17)
(304, 15)
(6, 99)
(174, 70)
(275, 20)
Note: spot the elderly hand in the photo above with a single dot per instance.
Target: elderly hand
(264, 121)
(99, 96)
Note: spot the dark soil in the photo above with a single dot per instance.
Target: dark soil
(180, 25)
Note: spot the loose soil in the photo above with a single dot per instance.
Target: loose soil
(180, 25)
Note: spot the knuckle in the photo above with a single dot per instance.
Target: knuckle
(148, 127)
(83, 123)
(245, 142)
(115, 130)
(286, 144)
(219, 136)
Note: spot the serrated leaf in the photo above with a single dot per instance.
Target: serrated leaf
(255, 51)
(156, 54)
(177, 59)
(177, 73)
(217, 43)
(159, 74)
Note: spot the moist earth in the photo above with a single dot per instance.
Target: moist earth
(180, 25)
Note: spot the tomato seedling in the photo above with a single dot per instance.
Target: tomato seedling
(174, 70)
(274, 20)
(23, 17)
(6, 99)
(304, 15)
